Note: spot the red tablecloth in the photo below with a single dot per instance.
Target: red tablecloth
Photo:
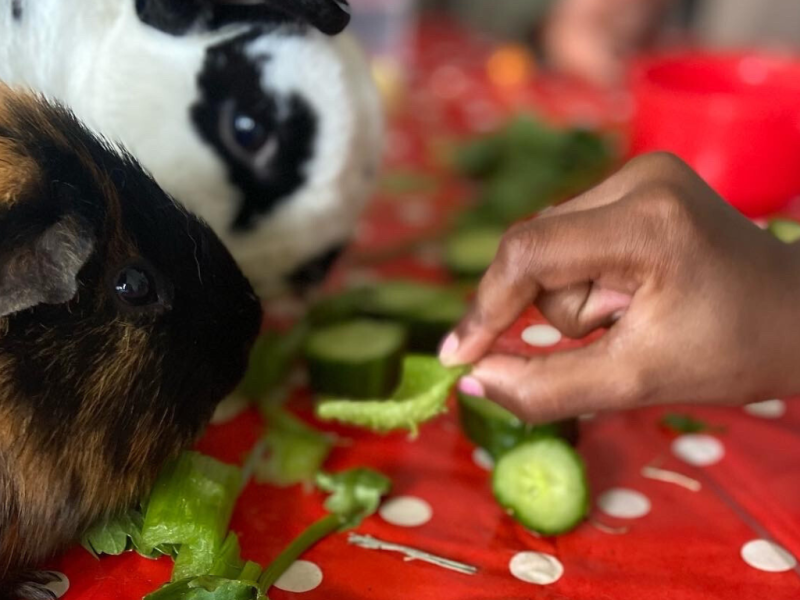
(734, 537)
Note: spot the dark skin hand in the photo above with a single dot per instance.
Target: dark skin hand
(701, 304)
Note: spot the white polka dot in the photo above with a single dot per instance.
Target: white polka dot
(698, 449)
(302, 576)
(623, 504)
(587, 417)
(406, 511)
(769, 409)
(483, 459)
(766, 556)
(536, 567)
(541, 336)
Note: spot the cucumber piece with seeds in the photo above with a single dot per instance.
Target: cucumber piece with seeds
(543, 485)
(355, 359)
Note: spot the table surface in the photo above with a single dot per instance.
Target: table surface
(733, 535)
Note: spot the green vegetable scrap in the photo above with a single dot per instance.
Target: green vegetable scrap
(230, 578)
(687, 424)
(121, 534)
(785, 230)
(496, 430)
(295, 451)
(207, 587)
(421, 395)
(190, 507)
(355, 495)
(526, 166)
(270, 360)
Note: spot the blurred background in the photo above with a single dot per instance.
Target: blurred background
(715, 81)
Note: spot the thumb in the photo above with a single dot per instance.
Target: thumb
(556, 386)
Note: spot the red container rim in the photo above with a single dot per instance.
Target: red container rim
(739, 79)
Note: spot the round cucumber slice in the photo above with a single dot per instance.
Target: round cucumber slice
(469, 253)
(543, 484)
(355, 359)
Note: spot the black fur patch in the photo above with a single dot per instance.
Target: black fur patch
(194, 354)
(228, 76)
(313, 272)
(16, 9)
(175, 17)
(179, 17)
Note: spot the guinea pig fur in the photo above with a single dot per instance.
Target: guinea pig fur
(260, 117)
(123, 321)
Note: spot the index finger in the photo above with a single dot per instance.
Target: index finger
(546, 254)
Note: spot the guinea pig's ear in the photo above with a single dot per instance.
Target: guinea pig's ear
(329, 16)
(175, 17)
(42, 267)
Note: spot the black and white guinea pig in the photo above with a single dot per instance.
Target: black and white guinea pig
(123, 321)
(259, 115)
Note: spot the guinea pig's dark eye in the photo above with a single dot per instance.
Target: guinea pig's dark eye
(248, 132)
(249, 135)
(136, 287)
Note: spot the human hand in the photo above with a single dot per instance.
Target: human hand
(702, 305)
(593, 39)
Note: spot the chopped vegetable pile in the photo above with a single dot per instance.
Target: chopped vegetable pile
(369, 353)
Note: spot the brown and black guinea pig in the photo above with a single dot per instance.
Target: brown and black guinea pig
(123, 322)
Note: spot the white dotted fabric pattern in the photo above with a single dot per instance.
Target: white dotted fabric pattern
(406, 511)
(541, 336)
(302, 576)
(767, 556)
(623, 503)
(536, 567)
(698, 449)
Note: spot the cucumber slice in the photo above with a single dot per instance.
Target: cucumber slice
(469, 253)
(428, 312)
(356, 359)
(543, 485)
(785, 230)
(496, 430)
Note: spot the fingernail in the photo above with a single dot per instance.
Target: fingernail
(448, 349)
(471, 387)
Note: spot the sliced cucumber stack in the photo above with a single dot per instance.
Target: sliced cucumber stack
(497, 431)
(543, 485)
(356, 359)
(469, 253)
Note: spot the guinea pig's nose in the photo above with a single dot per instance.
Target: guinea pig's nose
(313, 272)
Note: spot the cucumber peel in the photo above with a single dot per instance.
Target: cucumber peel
(359, 358)
(422, 395)
(496, 430)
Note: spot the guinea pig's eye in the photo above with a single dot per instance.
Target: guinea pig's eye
(249, 136)
(136, 287)
(248, 132)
